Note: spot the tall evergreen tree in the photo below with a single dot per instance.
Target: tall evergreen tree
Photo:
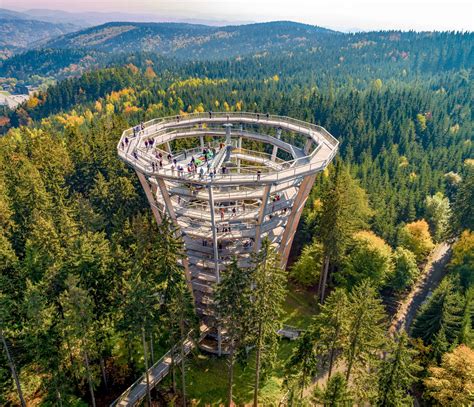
(335, 394)
(234, 308)
(444, 311)
(464, 202)
(267, 278)
(177, 301)
(345, 211)
(78, 330)
(330, 327)
(397, 374)
(366, 328)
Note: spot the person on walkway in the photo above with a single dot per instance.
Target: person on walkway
(201, 173)
(259, 173)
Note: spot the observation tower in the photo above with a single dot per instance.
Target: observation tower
(226, 180)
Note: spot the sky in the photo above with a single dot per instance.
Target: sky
(337, 14)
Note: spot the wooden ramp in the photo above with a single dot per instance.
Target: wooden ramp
(137, 391)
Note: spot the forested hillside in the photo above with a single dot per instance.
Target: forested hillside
(78, 265)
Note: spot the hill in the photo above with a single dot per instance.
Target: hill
(192, 40)
(19, 31)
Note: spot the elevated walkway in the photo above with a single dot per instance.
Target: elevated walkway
(156, 373)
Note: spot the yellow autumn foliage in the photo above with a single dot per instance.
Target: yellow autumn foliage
(452, 383)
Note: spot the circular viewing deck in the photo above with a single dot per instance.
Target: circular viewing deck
(227, 180)
(301, 148)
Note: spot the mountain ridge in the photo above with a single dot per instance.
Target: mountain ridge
(191, 40)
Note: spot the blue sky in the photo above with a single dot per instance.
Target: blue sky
(337, 14)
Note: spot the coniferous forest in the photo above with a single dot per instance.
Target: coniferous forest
(92, 290)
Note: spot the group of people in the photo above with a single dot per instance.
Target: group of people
(138, 128)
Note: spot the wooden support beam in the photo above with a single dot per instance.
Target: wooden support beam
(167, 199)
(214, 233)
(261, 217)
(172, 215)
(275, 148)
(307, 146)
(294, 218)
(150, 196)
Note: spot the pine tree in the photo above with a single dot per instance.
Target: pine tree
(234, 307)
(177, 302)
(330, 327)
(366, 328)
(397, 374)
(268, 294)
(443, 310)
(302, 364)
(345, 211)
(78, 329)
(335, 394)
(463, 203)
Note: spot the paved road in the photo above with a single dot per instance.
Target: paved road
(430, 277)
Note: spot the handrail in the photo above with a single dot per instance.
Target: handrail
(300, 166)
(155, 365)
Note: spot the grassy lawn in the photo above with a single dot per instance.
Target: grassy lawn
(207, 375)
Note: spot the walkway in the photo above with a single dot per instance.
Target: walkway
(429, 279)
(137, 391)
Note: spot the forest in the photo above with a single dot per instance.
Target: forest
(93, 290)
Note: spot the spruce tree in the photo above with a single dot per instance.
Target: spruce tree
(345, 211)
(234, 308)
(268, 294)
(397, 374)
(366, 327)
(330, 327)
(302, 365)
(335, 394)
(78, 327)
(177, 302)
(444, 310)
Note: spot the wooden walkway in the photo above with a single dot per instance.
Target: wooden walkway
(137, 391)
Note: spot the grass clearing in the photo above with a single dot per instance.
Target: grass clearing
(207, 374)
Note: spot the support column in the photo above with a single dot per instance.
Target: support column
(168, 147)
(275, 148)
(294, 217)
(261, 216)
(150, 196)
(214, 234)
(168, 202)
(216, 260)
(172, 215)
(239, 146)
(307, 146)
(228, 135)
(201, 140)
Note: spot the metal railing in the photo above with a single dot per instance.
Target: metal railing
(164, 125)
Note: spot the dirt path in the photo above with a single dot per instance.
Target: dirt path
(429, 279)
